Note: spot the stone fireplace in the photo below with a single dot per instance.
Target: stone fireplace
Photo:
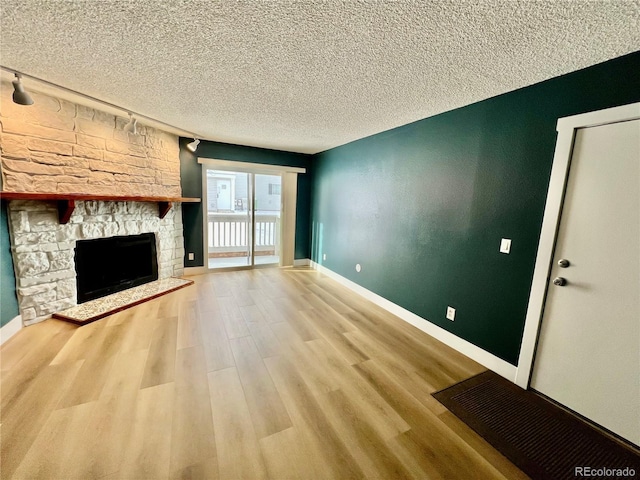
(44, 250)
(58, 147)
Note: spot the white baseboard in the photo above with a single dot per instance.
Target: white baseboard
(10, 328)
(28, 323)
(189, 271)
(472, 351)
(302, 262)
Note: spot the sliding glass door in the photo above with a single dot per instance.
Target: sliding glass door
(268, 206)
(243, 218)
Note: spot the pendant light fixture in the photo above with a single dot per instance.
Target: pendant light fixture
(193, 146)
(19, 95)
(131, 127)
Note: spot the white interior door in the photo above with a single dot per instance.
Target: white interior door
(588, 355)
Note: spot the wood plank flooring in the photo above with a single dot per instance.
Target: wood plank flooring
(262, 374)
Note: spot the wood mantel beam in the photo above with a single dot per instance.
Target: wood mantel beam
(163, 209)
(67, 201)
(65, 210)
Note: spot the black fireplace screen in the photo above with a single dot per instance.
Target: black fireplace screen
(108, 265)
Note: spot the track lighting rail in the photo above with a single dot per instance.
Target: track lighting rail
(22, 97)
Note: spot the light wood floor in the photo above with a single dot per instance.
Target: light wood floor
(274, 373)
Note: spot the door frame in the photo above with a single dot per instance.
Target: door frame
(566, 128)
(288, 206)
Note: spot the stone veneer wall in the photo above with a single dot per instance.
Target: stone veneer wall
(56, 146)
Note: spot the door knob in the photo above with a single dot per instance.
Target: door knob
(559, 281)
(564, 263)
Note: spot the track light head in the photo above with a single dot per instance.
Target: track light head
(132, 126)
(19, 95)
(193, 146)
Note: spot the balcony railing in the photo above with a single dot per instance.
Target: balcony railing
(231, 232)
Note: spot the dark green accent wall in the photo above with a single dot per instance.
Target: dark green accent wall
(423, 207)
(191, 179)
(8, 300)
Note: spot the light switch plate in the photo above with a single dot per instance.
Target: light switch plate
(505, 245)
(451, 313)
(191, 256)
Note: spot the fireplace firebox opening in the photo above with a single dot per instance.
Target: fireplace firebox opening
(109, 265)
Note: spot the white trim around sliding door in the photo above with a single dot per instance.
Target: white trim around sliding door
(288, 224)
(566, 128)
(248, 167)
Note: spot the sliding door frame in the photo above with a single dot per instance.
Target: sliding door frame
(288, 177)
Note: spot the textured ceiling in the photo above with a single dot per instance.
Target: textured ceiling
(306, 76)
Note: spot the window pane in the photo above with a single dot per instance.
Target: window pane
(228, 219)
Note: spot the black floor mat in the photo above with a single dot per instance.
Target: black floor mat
(543, 440)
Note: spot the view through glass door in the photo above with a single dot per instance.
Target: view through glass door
(268, 207)
(243, 218)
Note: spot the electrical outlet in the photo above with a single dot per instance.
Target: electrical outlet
(358, 267)
(505, 245)
(191, 256)
(324, 256)
(451, 313)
